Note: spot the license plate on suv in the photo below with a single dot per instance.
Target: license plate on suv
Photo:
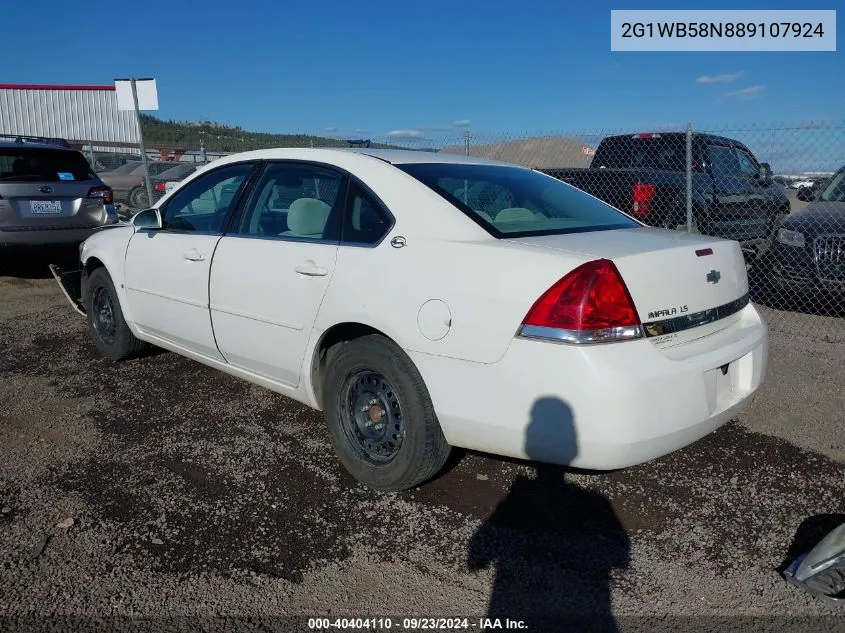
(45, 206)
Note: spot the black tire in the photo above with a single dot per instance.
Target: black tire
(111, 335)
(138, 198)
(420, 449)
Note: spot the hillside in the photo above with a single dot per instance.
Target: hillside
(221, 138)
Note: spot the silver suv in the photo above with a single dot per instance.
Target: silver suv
(49, 194)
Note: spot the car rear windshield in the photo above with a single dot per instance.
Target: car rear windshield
(517, 202)
(127, 168)
(659, 152)
(177, 173)
(30, 164)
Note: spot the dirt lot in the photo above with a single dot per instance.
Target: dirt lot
(195, 495)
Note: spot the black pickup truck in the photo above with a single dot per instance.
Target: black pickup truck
(644, 175)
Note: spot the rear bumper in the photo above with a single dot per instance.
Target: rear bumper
(602, 407)
(46, 237)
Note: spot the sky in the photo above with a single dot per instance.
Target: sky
(372, 68)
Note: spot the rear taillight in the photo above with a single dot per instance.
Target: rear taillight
(591, 304)
(103, 193)
(159, 186)
(643, 195)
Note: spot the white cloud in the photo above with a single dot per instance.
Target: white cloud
(747, 93)
(404, 134)
(331, 129)
(461, 123)
(719, 79)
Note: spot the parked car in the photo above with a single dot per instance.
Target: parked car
(129, 186)
(808, 194)
(360, 282)
(734, 195)
(801, 184)
(169, 179)
(49, 194)
(112, 161)
(808, 256)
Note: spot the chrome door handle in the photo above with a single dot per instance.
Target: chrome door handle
(193, 255)
(311, 269)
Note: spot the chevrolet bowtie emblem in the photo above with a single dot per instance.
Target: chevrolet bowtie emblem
(713, 277)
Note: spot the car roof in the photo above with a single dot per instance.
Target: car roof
(391, 156)
(30, 145)
(407, 156)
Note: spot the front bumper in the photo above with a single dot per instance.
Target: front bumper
(795, 269)
(602, 406)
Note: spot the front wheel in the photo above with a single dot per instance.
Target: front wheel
(380, 417)
(113, 338)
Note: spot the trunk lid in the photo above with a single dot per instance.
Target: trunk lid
(683, 285)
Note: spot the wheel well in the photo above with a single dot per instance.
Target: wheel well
(91, 264)
(335, 335)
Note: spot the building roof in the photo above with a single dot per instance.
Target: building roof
(52, 87)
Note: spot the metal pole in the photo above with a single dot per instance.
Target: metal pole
(141, 143)
(689, 178)
(91, 155)
(466, 151)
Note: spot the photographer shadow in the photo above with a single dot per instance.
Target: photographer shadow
(552, 543)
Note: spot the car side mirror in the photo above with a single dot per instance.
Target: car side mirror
(147, 219)
(765, 172)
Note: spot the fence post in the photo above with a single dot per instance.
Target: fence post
(689, 178)
(91, 155)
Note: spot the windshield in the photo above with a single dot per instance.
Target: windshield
(517, 202)
(30, 164)
(835, 190)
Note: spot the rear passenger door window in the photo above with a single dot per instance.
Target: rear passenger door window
(747, 166)
(723, 162)
(365, 221)
(294, 201)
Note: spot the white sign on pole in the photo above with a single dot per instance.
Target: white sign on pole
(147, 94)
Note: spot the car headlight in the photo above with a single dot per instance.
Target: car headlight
(791, 238)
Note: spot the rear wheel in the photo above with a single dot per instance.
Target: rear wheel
(138, 198)
(112, 336)
(379, 415)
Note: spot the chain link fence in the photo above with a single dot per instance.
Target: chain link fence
(779, 190)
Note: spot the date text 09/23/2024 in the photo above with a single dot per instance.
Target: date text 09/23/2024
(416, 624)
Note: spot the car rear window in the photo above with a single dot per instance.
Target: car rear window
(517, 202)
(30, 164)
(126, 168)
(661, 152)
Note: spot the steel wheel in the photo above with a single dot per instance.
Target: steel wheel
(372, 417)
(103, 315)
(138, 198)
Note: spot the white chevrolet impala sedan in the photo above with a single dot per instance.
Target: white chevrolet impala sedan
(425, 301)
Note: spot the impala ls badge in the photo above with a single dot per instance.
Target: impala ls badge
(713, 277)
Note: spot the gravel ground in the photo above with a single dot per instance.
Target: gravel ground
(194, 495)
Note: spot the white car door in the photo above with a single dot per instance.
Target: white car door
(166, 272)
(270, 273)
